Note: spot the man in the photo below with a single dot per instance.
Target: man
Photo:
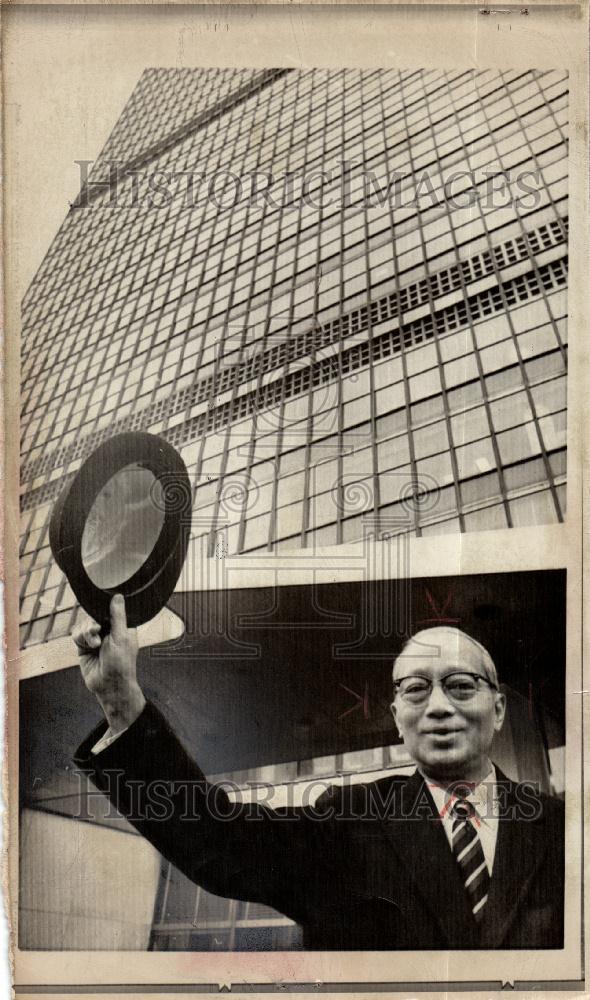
(453, 857)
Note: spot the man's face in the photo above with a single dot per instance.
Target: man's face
(448, 740)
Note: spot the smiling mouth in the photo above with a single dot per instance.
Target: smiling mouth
(442, 732)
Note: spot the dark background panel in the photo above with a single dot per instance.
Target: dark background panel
(279, 674)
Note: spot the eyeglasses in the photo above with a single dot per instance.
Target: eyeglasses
(459, 687)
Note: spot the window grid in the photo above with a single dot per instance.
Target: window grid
(337, 491)
(447, 419)
(331, 83)
(349, 324)
(373, 361)
(506, 298)
(533, 245)
(501, 256)
(474, 78)
(267, 335)
(454, 318)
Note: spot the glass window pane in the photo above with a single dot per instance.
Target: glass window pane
(470, 426)
(439, 502)
(491, 331)
(532, 314)
(442, 528)
(359, 436)
(356, 411)
(181, 898)
(257, 529)
(550, 396)
(525, 474)
(212, 467)
(537, 341)
(558, 462)
(540, 368)
(428, 409)
(356, 496)
(518, 443)
(462, 370)
(326, 421)
(323, 509)
(503, 381)
(217, 940)
(323, 477)
(537, 508)
(288, 520)
(390, 398)
(264, 472)
(388, 372)
(487, 519)
(464, 396)
(421, 359)
(437, 468)
(498, 356)
(475, 458)
(427, 384)
(480, 488)
(352, 528)
(455, 345)
(390, 424)
(358, 462)
(430, 439)
(38, 630)
(554, 430)
(393, 483)
(289, 489)
(393, 453)
(356, 385)
(396, 519)
(327, 448)
(321, 536)
(510, 411)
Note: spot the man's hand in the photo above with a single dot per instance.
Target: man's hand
(109, 667)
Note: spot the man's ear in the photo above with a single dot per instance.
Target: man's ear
(499, 711)
(396, 720)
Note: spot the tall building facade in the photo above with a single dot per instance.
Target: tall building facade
(340, 294)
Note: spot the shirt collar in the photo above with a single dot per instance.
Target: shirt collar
(482, 796)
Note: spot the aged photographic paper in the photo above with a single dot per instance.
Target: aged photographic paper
(332, 258)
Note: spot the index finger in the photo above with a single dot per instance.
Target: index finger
(118, 618)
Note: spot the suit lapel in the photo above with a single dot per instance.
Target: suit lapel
(520, 849)
(424, 851)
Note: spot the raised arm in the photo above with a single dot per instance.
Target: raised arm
(244, 851)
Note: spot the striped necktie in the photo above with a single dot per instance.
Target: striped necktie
(468, 853)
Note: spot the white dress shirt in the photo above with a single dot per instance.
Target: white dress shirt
(106, 739)
(109, 737)
(484, 800)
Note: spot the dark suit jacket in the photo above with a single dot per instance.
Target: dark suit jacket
(369, 868)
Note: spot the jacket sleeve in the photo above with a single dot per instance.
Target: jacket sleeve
(244, 851)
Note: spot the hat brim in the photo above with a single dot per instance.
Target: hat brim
(149, 587)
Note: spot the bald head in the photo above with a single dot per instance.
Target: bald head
(457, 647)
